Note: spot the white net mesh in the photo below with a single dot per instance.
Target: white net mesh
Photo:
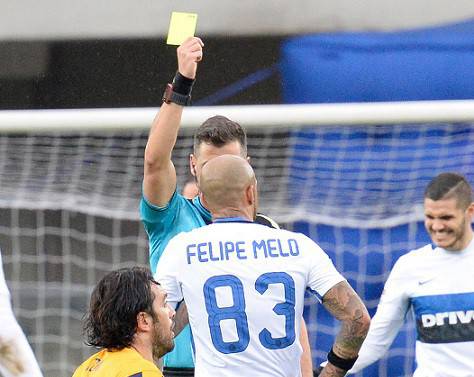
(69, 214)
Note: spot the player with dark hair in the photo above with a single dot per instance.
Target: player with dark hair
(436, 283)
(130, 319)
(244, 285)
(166, 213)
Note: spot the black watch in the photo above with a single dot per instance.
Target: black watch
(170, 96)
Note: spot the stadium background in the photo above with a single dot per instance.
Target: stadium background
(50, 258)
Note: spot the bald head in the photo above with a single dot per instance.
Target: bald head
(226, 182)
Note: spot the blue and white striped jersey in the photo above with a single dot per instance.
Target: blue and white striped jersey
(438, 286)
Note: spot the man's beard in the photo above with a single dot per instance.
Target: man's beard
(161, 344)
(455, 235)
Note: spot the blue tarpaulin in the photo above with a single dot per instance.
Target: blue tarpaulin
(424, 64)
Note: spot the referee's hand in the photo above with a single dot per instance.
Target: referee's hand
(189, 54)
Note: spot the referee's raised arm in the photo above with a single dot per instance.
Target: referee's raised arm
(159, 180)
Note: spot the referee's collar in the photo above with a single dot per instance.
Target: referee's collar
(232, 220)
(203, 211)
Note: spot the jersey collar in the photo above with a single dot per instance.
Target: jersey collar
(232, 220)
(205, 214)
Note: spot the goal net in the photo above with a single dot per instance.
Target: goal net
(350, 176)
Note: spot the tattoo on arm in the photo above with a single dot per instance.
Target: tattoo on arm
(344, 304)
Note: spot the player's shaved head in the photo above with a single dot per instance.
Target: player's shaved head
(224, 181)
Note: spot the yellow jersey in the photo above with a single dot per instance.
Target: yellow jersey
(124, 363)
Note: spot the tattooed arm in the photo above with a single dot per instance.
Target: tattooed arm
(346, 306)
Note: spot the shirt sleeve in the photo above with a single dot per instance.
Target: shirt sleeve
(152, 214)
(323, 275)
(159, 224)
(167, 273)
(17, 358)
(391, 311)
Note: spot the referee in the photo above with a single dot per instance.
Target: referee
(163, 210)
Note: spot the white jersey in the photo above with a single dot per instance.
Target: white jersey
(438, 285)
(4, 292)
(244, 287)
(16, 356)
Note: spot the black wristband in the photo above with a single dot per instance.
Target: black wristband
(182, 85)
(344, 364)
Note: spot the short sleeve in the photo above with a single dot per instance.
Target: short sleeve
(4, 292)
(151, 214)
(167, 273)
(161, 224)
(323, 275)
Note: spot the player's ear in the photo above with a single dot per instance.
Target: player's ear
(143, 321)
(250, 194)
(470, 210)
(192, 164)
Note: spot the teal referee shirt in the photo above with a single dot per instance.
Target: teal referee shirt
(162, 224)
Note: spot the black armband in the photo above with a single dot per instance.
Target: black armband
(179, 91)
(344, 364)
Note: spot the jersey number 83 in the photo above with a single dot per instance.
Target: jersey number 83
(237, 312)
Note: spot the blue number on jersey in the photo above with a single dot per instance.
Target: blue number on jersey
(237, 311)
(286, 308)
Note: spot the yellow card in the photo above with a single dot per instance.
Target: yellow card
(182, 26)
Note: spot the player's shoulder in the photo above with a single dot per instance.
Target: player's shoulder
(285, 234)
(145, 371)
(121, 363)
(94, 362)
(417, 253)
(414, 257)
(129, 363)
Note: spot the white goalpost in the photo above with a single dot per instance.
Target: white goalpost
(250, 115)
(351, 176)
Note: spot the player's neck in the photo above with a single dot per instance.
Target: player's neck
(226, 213)
(143, 349)
(468, 239)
